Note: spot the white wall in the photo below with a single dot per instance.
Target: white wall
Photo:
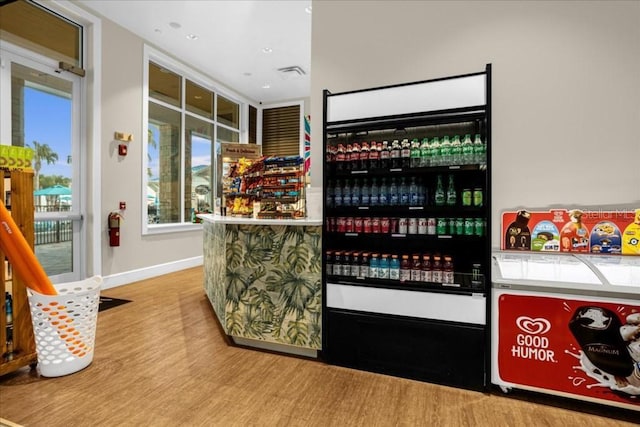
(122, 85)
(566, 85)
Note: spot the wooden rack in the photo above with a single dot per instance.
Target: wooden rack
(21, 205)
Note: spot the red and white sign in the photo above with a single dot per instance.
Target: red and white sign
(584, 348)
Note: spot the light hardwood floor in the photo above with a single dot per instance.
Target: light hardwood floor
(162, 360)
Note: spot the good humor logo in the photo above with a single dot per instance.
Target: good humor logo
(531, 344)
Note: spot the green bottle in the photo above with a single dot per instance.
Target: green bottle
(451, 192)
(439, 197)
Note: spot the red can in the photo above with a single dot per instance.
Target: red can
(357, 225)
(375, 225)
(393, 225)
(366, 225)
(384, 225)
(349, 225)
(342, 224)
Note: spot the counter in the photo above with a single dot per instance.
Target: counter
(263, 279)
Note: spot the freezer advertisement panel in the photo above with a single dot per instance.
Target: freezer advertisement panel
(562, 230)
(583, 348)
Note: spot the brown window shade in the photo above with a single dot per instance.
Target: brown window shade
(281, 131)
(253, 125)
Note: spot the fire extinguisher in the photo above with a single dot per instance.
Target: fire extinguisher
(114, 228)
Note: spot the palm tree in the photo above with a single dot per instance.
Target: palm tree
(41, 152)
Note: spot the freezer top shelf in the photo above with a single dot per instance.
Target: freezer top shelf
(580, 272)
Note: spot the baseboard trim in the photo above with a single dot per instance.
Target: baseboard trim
(131, 276)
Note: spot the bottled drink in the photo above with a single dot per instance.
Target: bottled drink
(405, 269)
(374, 156)
(456, 151)
(396, 152)
(355, 193)
(439, 197)
(346, 193)
(425, 273)
(364, 156)
(425, 153)
(385, 155)
(346, 263)
(340, 158)
(436, 269)
(365, 197)
(329, 195)
(436, 158)
(467, 150)
(364, 265)
(384, 193)
(337, 263)
(355, 156)
(414, 195)
(329, 263)
(416, 268)
(374, 197)
(383, 267)
(355, 264)
(347, 157)
(374, 266)
(405, 154)
(451, 192)
(404, 192)
(479, 151)
(445, 151)
(394, 196)
(337, 194)
(394, 268)
(447, 270)
(415, 153)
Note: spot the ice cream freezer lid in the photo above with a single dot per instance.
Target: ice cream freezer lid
(579, 271)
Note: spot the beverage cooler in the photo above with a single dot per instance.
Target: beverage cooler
(567, 325)
(407, 198)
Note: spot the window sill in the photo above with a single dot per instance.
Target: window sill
(151, 229)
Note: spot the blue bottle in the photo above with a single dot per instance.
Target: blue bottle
(346, 193)
(394, 196)
(337, 194)
(383, 267)
(374, 267)
(355, 194)
(394, 268)
(329, 195)
(364, 193)
(384, 193)
(374, 197)
(414, 194)
(404, 192)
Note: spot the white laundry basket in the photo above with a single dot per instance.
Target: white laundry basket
(64, 326)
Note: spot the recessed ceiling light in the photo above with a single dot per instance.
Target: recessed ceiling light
(308, 9)
(267, 50)
(175, 25)
(192, 37)
(266, 86)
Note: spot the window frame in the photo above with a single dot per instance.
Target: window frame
(186, 73)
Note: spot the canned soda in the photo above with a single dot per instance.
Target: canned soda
(384, 225)
(422, 225)
(431, 226)
(451, 226)
(441, 226)
(348, 225)
(478, 227)
(477, 197)
(460, 226)
(393, 225)
(346, 263)
(375, 225)
(366, 225)
(342, 224)
(468, 226)
(357, 225)
(412, 227)
(466, 197)
(402, 225)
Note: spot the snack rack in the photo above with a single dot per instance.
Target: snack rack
(283, 188)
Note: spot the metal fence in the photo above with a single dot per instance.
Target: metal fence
(54, 231)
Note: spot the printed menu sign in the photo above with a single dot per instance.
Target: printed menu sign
(584, 348)
(575, 230)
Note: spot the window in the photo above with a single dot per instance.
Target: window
(40, 30)
(281, 131)
(186, 118)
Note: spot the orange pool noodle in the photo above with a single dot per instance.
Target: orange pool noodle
(21, 256)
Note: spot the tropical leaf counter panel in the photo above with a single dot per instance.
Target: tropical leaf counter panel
(264, 281)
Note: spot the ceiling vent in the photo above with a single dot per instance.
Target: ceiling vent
(292, 72)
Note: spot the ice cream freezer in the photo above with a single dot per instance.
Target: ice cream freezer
(567, 325)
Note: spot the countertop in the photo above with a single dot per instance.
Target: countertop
(219, 219)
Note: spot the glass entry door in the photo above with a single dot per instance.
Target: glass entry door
(39, 109)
